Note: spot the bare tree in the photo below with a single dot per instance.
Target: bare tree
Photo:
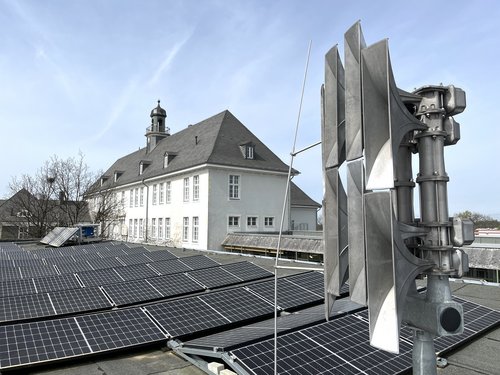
(106, 208)
(73, 181)
(33, 197)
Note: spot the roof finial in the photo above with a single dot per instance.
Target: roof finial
(158, 102)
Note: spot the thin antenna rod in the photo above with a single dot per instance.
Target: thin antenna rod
(285, 202)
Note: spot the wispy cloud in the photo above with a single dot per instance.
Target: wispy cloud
(118, 107)
(167, 61)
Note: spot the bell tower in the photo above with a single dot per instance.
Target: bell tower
(158, 130)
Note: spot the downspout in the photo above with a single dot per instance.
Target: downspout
(147, 210)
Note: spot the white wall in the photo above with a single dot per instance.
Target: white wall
(304, 218)
(261, 195)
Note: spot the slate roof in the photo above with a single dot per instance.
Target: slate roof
(299, 198)
(215, 140)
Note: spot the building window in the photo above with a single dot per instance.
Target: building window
(185, 229)
(155, 193)
(252, 221)
(234, 221)
(269, 221)
(196, 188)
(23, 232)
(165, 160)
(131, 202)
(162, 193)
(135, 228)
(186, 189)
(168, 192)
(141, 197)
(160, 228)
(167, 228)
(141, 228)
(136, 197)
(249, 152)
(195, 230)
(234, 187)
(153, 228)
(122, 200)
(130, 227)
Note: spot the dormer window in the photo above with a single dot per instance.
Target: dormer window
(117, 175)
(104, 179)
(167, 158)
(248, 150)
(143, 165)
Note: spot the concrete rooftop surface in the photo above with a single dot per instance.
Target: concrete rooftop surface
(480, 356)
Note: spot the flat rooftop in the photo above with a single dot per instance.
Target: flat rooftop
(479, 356)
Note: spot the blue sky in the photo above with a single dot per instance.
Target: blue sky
(84, 75)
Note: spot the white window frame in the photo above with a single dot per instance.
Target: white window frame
(141, 197)
(168, 192)
(153, 227)
(160, 228)
(136, 197)
(231, 219)
(161, 191)
(196, 188)
(234, 187)
(135, 228)
(252, 218)
(130, 227)
(131, 200)
(266, 221)
(186, 190)
(185, 229)
(195, 231)
(167, 228)
(155, 193)
(141, 228)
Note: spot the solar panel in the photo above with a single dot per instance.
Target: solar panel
(135, 271)
(199, 261)
(312, 281)
(186, 316)
(290, 295)
(214, 277)
(27, 343)
(119, 329)
(52, 235)
(175, 285)
(25, 307)
(101, 263)
(130, 292)
(130, 259)
(167, 267)
(28, 272)
(29, 263)
(10, 273)
(238, 304)
(74, 267)
(59, 282)
(99, 277)
(79, 300)
(16, 287)
(161, 255)
(247, 271)
(62, 236)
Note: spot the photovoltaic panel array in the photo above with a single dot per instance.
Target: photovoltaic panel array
(79, 300)
(214, 277)
(175, 285)
(25, 307)
(344, 343)
(59, 282)
(43, 341)
(167, 267)
(99, 277)
(197, 314)
(247, 271)
(118, 329)
(135, 271)
(30, 343)
(131, 292)
(198, 261)
(16, 287)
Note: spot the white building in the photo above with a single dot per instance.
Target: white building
(191, 188)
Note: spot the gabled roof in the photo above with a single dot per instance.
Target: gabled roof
(299, 198)
(215, 140)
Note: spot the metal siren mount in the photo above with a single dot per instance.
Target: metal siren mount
(371, 234)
